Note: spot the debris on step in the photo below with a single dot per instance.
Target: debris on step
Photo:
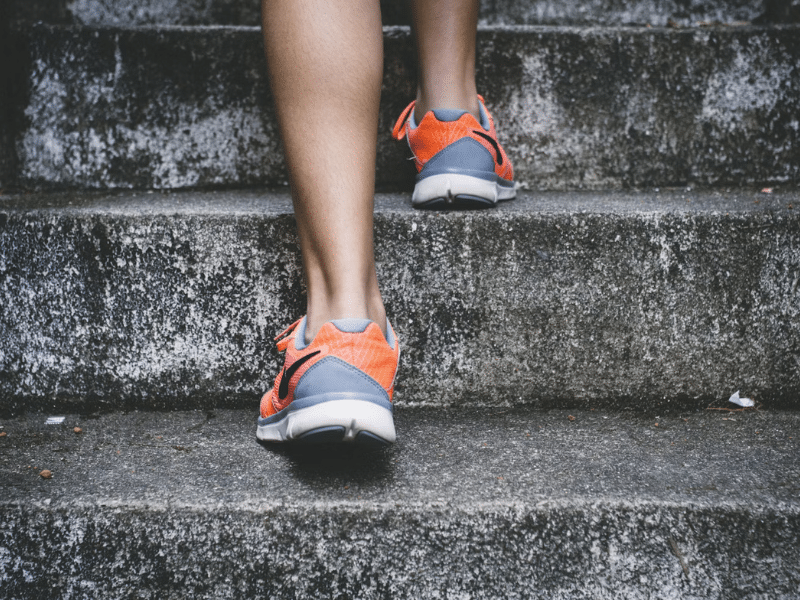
(743, 402)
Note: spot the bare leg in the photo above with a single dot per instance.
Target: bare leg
(325, 59)
(445, 32)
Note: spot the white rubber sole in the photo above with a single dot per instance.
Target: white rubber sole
(449, 186)
(347, 418)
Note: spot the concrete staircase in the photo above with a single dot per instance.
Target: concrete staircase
(562, 407)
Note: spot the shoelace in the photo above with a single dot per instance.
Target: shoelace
(399, 129)
(287, 335)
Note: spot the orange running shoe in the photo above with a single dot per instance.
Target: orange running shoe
(338, 388)
(459, 162)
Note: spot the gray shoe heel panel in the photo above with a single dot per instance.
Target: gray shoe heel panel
(464, 155)
(333, 375)
(448, 115)
(351, 325)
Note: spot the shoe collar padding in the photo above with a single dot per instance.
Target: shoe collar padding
(298, 331)
(441, 114)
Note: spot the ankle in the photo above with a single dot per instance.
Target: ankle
(317, 317)
(457, 101)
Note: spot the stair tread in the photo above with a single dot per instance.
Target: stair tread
(467, 504)
(466, 459)
(271, 201)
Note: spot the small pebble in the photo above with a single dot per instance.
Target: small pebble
(46, 474)
(571, 418)
(3, 434)
(77, 430)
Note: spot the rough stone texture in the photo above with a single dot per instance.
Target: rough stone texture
(601, 108)
(395, 12)
(577, 108)
(136, 13)
(165, 108)
(467, 504)
(626, 12)
(582, 299)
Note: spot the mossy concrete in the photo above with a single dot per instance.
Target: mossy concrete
(582, 299)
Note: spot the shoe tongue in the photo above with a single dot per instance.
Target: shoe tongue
(448, 115)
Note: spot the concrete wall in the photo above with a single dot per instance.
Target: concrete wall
(630, 301)
(576, 108)
(396, 12)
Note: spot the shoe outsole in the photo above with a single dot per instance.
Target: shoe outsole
(454, 191)
(338, 421)
(336, 435)
(460, 202)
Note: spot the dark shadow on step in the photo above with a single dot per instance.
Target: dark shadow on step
(14, 91)
(779, 12)
(337, 464)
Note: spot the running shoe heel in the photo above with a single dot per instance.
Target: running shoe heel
(465, 155)
(460, 163)
(460, 174)
(338, 388)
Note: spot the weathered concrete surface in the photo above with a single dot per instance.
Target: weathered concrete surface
(134, 13)
(582, 299)
(395, 12)
(657, 13)
(589, 108)
(467, 504)
(160, 108)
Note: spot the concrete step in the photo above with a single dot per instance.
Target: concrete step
(596, 108)
(467, 504)
(128, 13)
(623, 300)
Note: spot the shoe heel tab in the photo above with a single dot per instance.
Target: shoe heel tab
(351, 325)
(448, 115)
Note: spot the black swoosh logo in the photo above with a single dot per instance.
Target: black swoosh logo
(492, 141)
(283, 390)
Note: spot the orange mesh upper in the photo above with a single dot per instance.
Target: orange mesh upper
(431, 136)
(368, 351)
